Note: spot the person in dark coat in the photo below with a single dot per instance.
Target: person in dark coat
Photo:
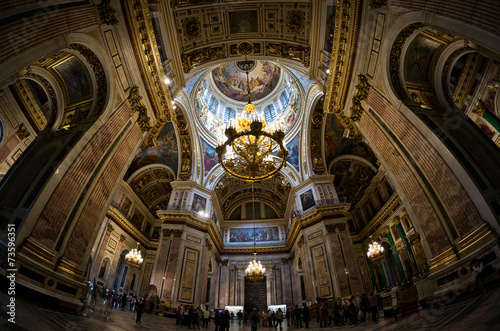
(254, 319)
(224, 320)
(305, 315)
(141, 305)
(217, 320)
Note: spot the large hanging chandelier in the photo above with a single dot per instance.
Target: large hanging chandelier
(250, 150)
(375, 251)
(134, 257)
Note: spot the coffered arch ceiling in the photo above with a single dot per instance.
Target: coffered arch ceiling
(233, 192)
(211, 30)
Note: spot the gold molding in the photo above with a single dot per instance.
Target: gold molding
(117, 217)
(31, 104)
(51, 93)
(35, 252)
(140, 29)
(347, 16)
(477, 239)
(442, 260)
(480, 108)
(67, 269)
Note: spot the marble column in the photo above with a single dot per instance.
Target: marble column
(288, 296)
(169, 282)
(406, 244)
(161, 259)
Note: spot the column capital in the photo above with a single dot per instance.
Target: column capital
(110, 228)
(122, 238)
(386, 230)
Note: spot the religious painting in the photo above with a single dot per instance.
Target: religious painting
(210, 158)
(243, 21)
(147, 229)
(167, 151)
(333, 134)
(231, 79)
(395, 231)
(293, 152)
(307, 199)
(137, 219)
(261, 234)
(419, 57)
(199, 203)
(126, 206)
(102, 269)
(75, 78)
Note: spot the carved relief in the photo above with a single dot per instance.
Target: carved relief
(204, 55)
(106, 13)
(22, 132)
(361, 94)
(138, 106)
(295, 22)
(192, 28)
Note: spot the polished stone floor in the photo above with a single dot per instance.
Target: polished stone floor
(480, 312)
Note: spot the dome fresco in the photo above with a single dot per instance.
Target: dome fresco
(230, 79)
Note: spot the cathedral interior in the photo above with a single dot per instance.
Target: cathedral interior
(111, 114)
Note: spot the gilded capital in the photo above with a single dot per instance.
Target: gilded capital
(285, 260)
(177, 233)
(110, 228)
(300, 243)
(480, 108)
(208, 245)
(122, 238)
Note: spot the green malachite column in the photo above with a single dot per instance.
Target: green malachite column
(407, 246)
(382, 274)
(372, 273)
(396, 255)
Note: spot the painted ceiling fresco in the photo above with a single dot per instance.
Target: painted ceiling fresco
(231, 79)
(166, 152)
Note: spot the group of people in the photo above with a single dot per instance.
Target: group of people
(191, 317)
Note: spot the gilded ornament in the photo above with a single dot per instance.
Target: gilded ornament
(361, 94)
(106, 13)
(300, 243)
(177, 233)
(208, 245)
(245, 48)
(138, 106)
(480, 108)
(22, 132)
(110, 228)
(192, 28)
(375, 4)
(122, 238)
(295, 22)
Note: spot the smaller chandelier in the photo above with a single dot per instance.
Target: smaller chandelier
(255, 271)
(375, 251)
(134, 257)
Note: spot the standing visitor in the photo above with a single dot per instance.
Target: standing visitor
(306, 315)
(217, 320)
(139, 310)
(254, 319)
(206, 317)
(373, 306)
(279, 319)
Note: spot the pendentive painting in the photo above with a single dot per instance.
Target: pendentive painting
(307, 200)
(293, 152)
(243, 21)
(75, 78)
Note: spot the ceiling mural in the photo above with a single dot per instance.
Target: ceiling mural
(336, 144)
(351, 179)
(231, 79)
(167, 152)
(153, 187)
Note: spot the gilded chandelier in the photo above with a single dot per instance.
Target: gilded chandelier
(255, 271)
(134, 257)
(250, 150)
(375, 251)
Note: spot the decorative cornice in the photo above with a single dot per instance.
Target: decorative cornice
(141, 33)
(361, 94)
(106, 13)
(379, 218)
(347, 15)
(22, 132)
(126, 226)
(138, 107)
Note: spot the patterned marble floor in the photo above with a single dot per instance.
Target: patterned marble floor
(481, 312)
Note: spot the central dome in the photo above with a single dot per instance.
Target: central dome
(231, 79)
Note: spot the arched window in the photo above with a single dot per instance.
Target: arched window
(229, 114)
(212, 105)
(270, 113)
(284, 98)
